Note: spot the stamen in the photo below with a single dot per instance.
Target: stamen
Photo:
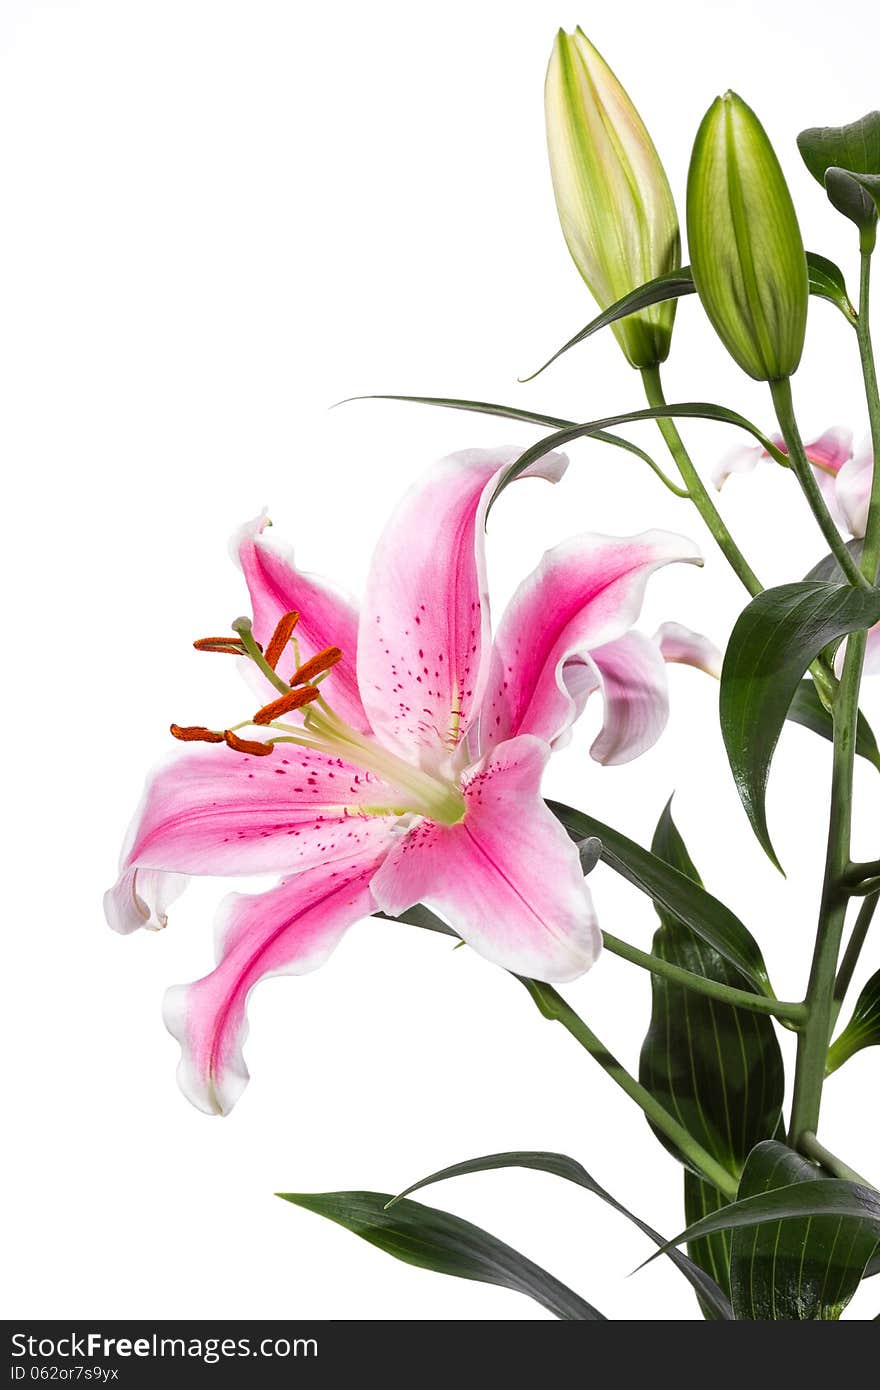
(232, 645)
(247, 745)
(315, 665)
(281, 637)
(295, 699)
(195, 733)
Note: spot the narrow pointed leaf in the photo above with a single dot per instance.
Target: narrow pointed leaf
(672, 285)
(825, 1197)
(716, 1068)
(674, 893)
(432, 1239)
(826, 282)
(559, 1165)
(794, 1270)
(863, 1029)
(689, 410)
(775, 639)
(807, 710)
(528, 417)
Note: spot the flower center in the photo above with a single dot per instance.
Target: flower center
(415, 790)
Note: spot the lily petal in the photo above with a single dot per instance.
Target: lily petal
(327, 618)
(585, 593)
(872, 652)
(141, 898)
(743, 458)
(681, 645)
(853, 490)
(288, 930)
(219, 812)
(506, 877)
(632, 678)
(424, 631)
(831, 450)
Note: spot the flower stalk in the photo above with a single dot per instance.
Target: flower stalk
(553, 1007)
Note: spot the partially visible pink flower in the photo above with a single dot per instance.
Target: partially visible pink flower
(829, 455)
(853, 489)
(845, 479)
(414, 774)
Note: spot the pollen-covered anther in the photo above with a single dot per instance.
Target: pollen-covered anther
(231, 645)
(195, 733)
(294, 699)
(247, 745)
(280, 637)
(316, 666)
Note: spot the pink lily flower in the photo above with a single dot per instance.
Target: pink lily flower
(413, 773)
(845, 479)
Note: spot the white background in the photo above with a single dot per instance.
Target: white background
(220, 218)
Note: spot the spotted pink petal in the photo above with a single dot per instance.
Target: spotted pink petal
(585, 593)
(854, 490)
(327, 618)
(507, 877)
(679, 644)
(424, 626)
(288, 930)
(219, 812)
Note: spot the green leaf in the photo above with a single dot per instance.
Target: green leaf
(855, 146)
(803, 1270)
(847, 194)
(826, 282)
(433, 1239)
(559, 1165)
(690, 410)
(825, 1197)
(716, 1068)
(807, 710)
(712, 1253)
(529, 417)
(672, 285)
(835, 154)
(863, 1029)
(774, 640)
(675, 894)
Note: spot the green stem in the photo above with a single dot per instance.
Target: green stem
(827, 987)
(714, 989)
(858, 874)
(811, 1148)
(854, 950)
(816, 1033)
(803, 471)
(696, 489)
(554, 1007)
(871, 548)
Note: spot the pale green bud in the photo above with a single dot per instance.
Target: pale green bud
(745, 245)
(613, 196)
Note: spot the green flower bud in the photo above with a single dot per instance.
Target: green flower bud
(613, 196)
(745, 244)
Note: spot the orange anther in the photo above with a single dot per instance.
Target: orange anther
(195, 733)
(281, 637)
(315, 665)
(247, 745)
(219, 644)
(294, 699)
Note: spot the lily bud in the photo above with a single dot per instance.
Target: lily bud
(612, 193)
(745, 244)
